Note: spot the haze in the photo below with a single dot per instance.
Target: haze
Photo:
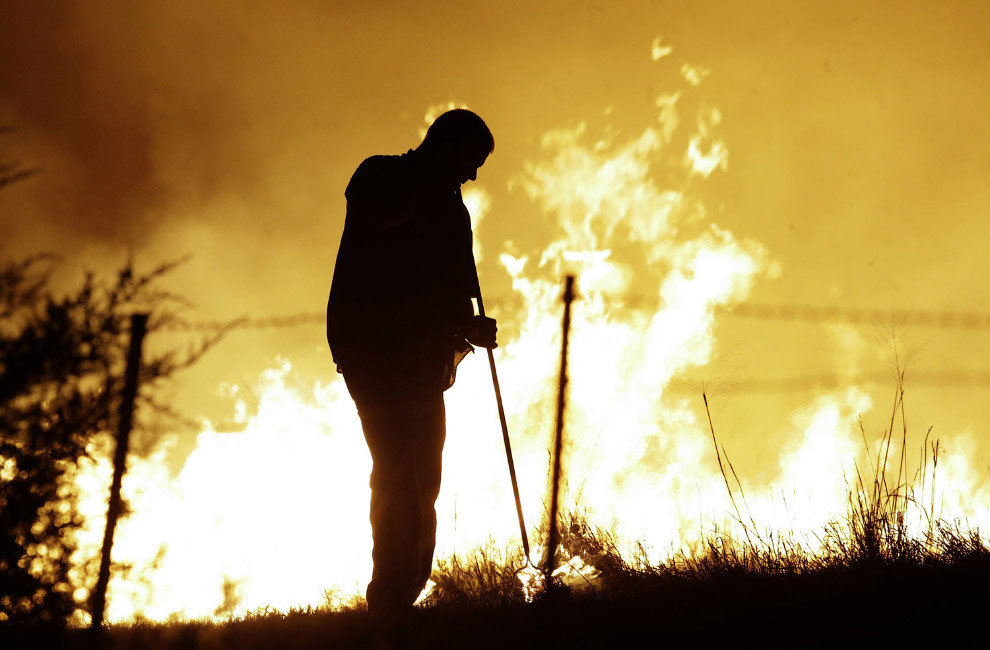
(857, 136)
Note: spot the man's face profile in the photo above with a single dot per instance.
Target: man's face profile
(467, 165)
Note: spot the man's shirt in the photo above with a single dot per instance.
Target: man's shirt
(405, 272)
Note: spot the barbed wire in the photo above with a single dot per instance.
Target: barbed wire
(267, 322)
(762, 311)
(951, 378)
(916, 317)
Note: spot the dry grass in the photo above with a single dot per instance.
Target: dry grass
(873, 537)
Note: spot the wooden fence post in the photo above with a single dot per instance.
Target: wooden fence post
(139, 327)
(558, 438)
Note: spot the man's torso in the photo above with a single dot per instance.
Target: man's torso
(404, 273)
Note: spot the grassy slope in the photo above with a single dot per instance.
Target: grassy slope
(945, 605)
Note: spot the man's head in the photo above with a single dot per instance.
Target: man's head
(462, 141)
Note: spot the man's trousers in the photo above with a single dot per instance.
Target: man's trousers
(406, 443)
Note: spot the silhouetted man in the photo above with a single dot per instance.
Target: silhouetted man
(399, 320)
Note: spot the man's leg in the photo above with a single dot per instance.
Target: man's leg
(429, 465)
(406, 444)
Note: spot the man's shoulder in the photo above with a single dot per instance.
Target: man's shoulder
(384, 164)
(378, 169)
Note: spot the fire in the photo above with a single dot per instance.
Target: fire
(275, 514)
(572, 572)
(272, 515)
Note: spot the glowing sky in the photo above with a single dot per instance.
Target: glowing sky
(858, 155)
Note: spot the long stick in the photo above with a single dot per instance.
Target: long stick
(139, 325)
(505, 439)
(558, 438)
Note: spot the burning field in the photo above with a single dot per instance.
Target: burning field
(669, 480)
(272, 513)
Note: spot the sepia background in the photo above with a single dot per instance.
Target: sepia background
(840, 149)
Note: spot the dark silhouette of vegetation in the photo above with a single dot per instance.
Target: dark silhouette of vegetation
(61, 373)
(13, 171)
